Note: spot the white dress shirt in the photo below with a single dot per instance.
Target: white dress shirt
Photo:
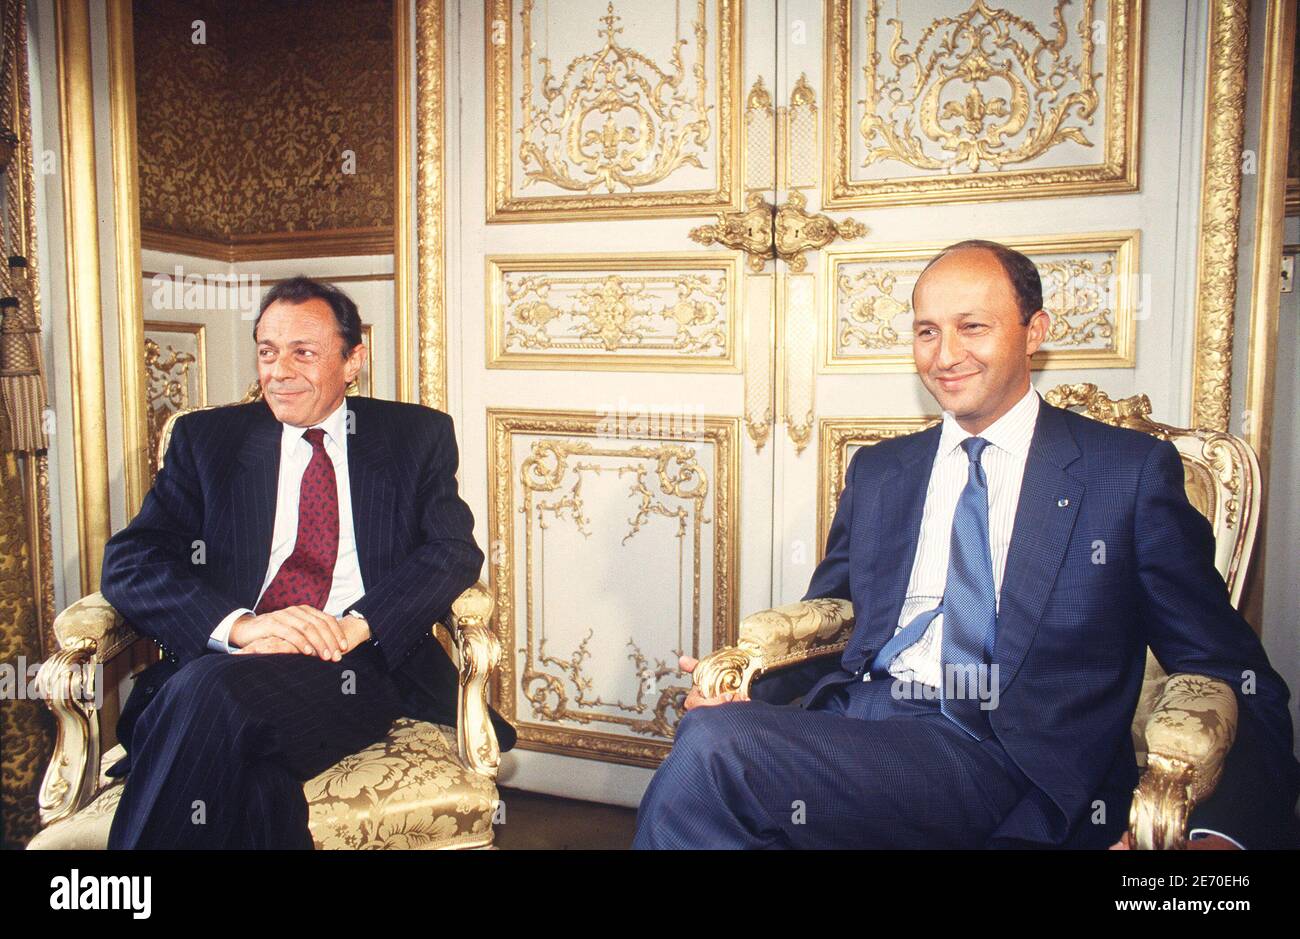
(295, 453)
(1004, 470)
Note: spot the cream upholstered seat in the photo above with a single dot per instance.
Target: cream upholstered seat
(423, 786)
(1183, 726)
(409, 790)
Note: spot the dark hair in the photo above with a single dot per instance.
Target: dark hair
(300, 289)
(1025, 282)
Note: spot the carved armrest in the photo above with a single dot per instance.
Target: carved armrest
(774, 639)
(480, 654)
(1189, 734)
(72, 681)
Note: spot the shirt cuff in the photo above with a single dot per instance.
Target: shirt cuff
(1202, 832)
(219, 641)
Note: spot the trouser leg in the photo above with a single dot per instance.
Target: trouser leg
(219, 755)
(869, 772)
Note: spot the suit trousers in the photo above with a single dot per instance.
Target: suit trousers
(218, 749)
(875, 765)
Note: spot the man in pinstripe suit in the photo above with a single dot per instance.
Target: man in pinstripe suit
(985, 696)
(290, 561)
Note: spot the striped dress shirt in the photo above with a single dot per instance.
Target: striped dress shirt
(1004, 469)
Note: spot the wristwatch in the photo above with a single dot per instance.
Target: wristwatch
(361, 616)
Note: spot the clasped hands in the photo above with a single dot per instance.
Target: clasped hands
(302, 629)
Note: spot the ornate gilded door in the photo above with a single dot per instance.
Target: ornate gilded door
(614, 375)
(692, 229)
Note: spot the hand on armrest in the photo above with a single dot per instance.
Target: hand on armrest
(774, 639)
(697, 698)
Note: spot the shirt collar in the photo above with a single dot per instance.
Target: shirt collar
(1011, 432)
(335, 427)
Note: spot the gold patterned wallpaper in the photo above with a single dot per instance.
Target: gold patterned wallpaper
(247, 134)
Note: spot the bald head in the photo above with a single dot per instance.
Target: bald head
(975, 326)
(1021, 273)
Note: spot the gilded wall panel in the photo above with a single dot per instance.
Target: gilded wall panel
(176, 369)
(607, 109)
(1091, 290)
(619, 553)
(662, 311)
(840, 439)
(981, 102)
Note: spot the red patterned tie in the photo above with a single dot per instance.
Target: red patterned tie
(306, 575)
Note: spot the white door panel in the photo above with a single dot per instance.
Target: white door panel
(602, 381)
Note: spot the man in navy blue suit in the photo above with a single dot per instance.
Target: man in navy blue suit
(290, 561)
(985, 696)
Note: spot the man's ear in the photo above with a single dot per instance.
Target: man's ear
(1038, 325)
(355, 361)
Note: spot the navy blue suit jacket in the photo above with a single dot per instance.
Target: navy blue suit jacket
(1071, 634)
(218, 486)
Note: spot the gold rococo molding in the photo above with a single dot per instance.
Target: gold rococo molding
(342, 242)
(724, 434)
(1118, 171)
(725, 108)
(1216, 264)
(661, 262)
(837, 434)
(85, 310)
(431, 263)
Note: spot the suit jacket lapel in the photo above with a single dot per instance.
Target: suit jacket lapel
(902, 504)
(1049, 504)
(371, 484)
(253, 499)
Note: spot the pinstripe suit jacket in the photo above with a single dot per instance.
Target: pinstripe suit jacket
(1072, 634)
(200, 545)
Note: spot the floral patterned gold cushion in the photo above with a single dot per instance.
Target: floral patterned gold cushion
(1153, 682)
(1194, 721)
(409, 790)
(87, 830)
(789, 632)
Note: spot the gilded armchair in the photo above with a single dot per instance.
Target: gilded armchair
(1183, 726)
(423, 786)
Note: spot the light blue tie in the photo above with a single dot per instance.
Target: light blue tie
(969, 604)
